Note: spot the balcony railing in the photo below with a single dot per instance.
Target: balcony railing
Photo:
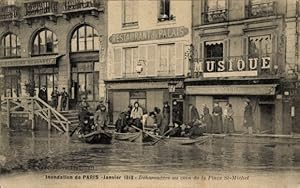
(262, 10)
(40, 8)
(215, 16)
(71, 5)
(8, 13)
(236, 66)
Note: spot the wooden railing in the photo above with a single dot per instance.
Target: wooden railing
(8, 12)
(40, 8)
(34, 106)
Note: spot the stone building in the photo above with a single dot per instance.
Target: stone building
(146, 53)
(56, 43)
(246, 50)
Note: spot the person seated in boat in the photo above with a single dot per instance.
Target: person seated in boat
(158, 120)
(196, 129)
(150, 121)
(136, 115)
(100, 118)
(176, 131)
(122, 122)
(85, 119)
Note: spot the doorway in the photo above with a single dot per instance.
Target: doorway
(267, 112)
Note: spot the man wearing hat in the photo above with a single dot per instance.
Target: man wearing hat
(248, 116)
(54, 98)
(64, 99)
(43, 94)
(101, 117)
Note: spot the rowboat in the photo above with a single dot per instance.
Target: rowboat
(138, 137)
(186, 140)
(96, 137)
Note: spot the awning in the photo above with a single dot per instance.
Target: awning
(31, 61)
(260, 89)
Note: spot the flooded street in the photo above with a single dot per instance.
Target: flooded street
(25, 152)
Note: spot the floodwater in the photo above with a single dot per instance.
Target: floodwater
(35, 153)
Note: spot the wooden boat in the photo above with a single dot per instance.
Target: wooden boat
(186, 140)
(139, 137)
(96, 137)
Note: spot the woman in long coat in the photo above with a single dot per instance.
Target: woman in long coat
(165, 118)
(228, 119)
(207, 119)
(217, 118)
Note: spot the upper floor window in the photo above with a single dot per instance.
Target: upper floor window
(166, 58)
(261, 8)
(215, 11)
(45, 42)
(260, 46)
(131, 59)
(10, 46)
(213, 53)
(165, 11)
(130, 16)
(85, 38)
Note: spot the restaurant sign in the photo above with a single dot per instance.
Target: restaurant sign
(232, 67)
(155, 34)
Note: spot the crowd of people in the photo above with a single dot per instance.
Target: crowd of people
(56, 97)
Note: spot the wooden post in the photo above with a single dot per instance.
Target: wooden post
(49, 119)
(32, 113)
(8, 113)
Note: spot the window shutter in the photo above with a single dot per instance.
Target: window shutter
(179, 48)
(201, 51)
(151, 60)
(143, 56)
(245, 46)
(117, 63)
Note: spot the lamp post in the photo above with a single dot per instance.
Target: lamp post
(172, 88)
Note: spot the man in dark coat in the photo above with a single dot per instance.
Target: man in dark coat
(84, 119)
(54, 98)
(64, 99)
(207, 119)
(43, 94)
(248, 116)
(176, 113)
(217, 118)
(165, 118)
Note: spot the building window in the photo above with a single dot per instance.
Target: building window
(86, 81)
(11, 46)
(261, 8)
(130, 17)
(139, 96)
(131, 59)
(213, 53)
(46, 77)
(260, 46)
(85, 38)
(166, 59)
(45, 42)
(165, 11)
(215, 11)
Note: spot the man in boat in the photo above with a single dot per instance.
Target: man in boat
(85, 119)
(123, 122)
(176, 131)
(101, 117)
(158, 118)
(196, 129)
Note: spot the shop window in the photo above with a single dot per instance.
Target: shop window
(139, 96)
(166, 59)
(213, 54)
(86, 81)
(45, 42)
(85, 38)
(10, 46)
(215, 11)
(131, 59)
(164, 11)
(46, 77)
(130, 17)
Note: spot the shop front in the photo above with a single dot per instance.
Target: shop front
(261, 97)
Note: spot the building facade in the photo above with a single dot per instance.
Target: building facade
(146, 53)
(54, 44)
(244, 50)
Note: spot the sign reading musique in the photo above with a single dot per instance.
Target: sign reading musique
(233, 67)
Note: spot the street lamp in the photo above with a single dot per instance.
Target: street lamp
(172, 88)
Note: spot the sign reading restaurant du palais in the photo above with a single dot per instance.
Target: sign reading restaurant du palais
(154, 34)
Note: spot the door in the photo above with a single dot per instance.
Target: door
(267, 112)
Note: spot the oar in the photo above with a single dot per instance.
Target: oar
(74, 131)
(163, 136)
(144, 132)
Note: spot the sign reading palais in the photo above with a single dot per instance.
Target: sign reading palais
(155, 34)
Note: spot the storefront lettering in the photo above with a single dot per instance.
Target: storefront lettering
(155, 34)
(232, 65)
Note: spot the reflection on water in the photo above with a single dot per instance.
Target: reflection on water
(40, 151)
